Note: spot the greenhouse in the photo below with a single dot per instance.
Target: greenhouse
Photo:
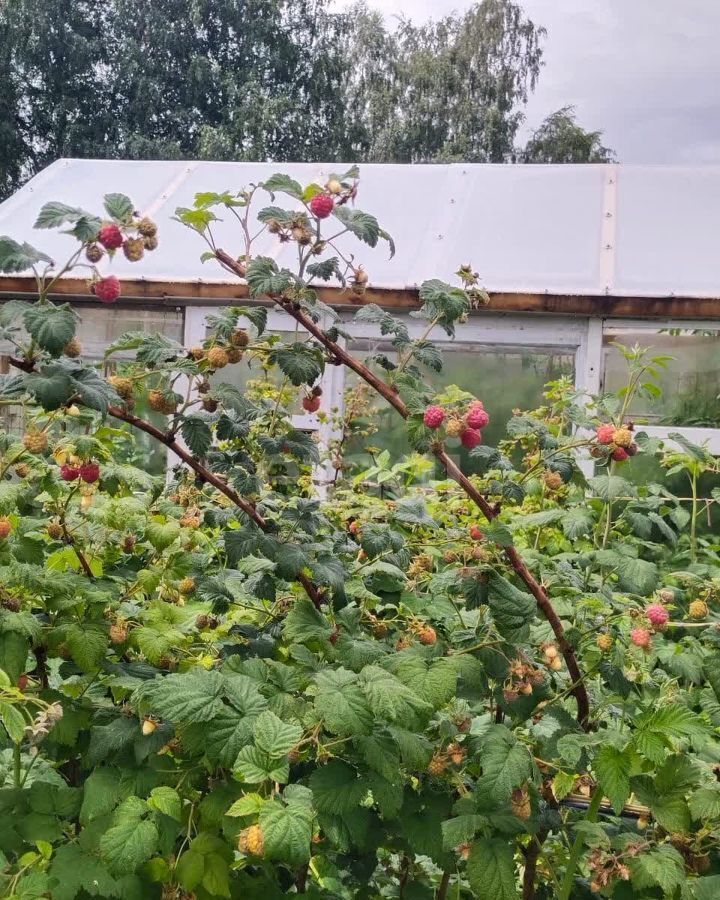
(576, 259)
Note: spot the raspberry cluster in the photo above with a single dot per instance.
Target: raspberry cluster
(614, 443)
(112, 237)
(465, 424)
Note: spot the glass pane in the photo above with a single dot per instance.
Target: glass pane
(690, 384)
(504, 378)
(97, 329)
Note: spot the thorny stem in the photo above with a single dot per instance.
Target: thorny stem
(341, 356)
(531, 860)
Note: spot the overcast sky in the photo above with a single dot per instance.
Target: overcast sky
(646, 72)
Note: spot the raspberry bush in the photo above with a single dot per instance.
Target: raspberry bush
(428, 684)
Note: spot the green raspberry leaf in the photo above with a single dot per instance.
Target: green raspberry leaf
(52, 327)
(491, 870)
(273, 736)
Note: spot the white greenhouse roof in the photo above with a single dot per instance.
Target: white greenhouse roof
(644, 231)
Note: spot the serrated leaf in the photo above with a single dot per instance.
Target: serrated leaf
(662, 866)
(162, 534)
(613, 768)
(50, 326)
(184, 697)
(74, 870)
(283, 184)
(341, 703)
(577, 522)
(264, 277)
(87, 646)
(119, 207)
(247, 805)
(512, 609)
(305, 623)
(166, 800)
(50, 387)
(287, 832)
(491, 870)
(196, 434)
(506, 765)
(705, 803)
(609, 487)
(101, 792)
(300, 363)
(361, 224)
(16, 257)
(131, 840)
(273, 736)
(54, 214)
(13, 722)
(390, 699)
(13, 654)
(254, 767)
(336, 788)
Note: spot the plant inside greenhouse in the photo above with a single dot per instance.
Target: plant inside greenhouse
(454, 650)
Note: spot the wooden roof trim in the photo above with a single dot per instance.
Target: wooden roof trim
(198, 293)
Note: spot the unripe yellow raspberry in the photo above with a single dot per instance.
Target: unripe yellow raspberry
(604, 642)
(520, 803)
(118, 633)
(123, 386)
(454, 428)
(553, 480)
(35, 441)
(698, 609)
(437, 765)
(73, 348)
(217, 357)
(251, 841)
(622, 437)
(187, 585)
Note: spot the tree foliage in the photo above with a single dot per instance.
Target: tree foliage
(267, 79)
(560, 139)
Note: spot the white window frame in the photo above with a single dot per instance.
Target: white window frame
(710, 437)
(580, 335)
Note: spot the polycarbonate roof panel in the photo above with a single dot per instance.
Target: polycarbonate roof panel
(618, 230)
(668, 231)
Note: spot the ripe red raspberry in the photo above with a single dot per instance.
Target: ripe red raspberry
(470, 438)
(477, 418)
(5, 527)
(107, 290)
(475, 533)
(657, 615)
(322, 205)
(22, 682)
(434, 416)
(604, 434)
(620, 454)
(89, 472)
(69, 473)
(311, 404)
(641, 637)
(110, 237)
